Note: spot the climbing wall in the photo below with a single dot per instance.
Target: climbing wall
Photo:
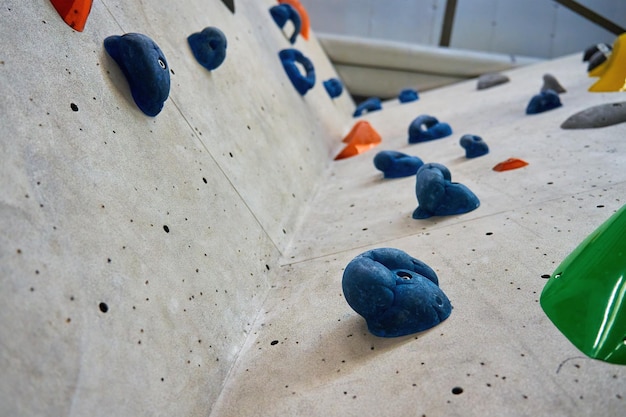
(135, 251)
(191, 263)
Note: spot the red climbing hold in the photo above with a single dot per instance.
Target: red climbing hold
(304, 16)
(73, 12)
(511, 163)
(361, 138)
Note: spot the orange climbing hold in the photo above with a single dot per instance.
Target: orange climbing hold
(361, 138)
(511, 163)
(73, 12)
(304, 16)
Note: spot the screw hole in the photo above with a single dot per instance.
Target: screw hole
(404, 275)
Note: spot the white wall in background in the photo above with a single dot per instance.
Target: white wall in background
(539, 28)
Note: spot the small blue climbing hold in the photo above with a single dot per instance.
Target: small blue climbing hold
(424, 128)
(333, 87)
(408, 95)
(544, 101)
(145, 68)
(208, 47)
(284, 12)
(474, 146)
(395, 293)
(395, 164)
(302, 83)
(437, 195)
(369, 105)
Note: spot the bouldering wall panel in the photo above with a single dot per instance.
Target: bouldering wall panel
(136, 251)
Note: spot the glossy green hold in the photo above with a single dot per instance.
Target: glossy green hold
(586, 296)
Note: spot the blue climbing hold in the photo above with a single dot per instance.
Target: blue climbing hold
(145, 68)
(474, 146)
(395, 293)
(209, 47)
(424, 128)
(333, 87)
(284, 12)
(544, 101)
(302, 83)
(395, 164)
(369, 105)
(437, 195)
(408, 95)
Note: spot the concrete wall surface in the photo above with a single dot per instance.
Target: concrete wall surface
(190, 264)
(90, 184)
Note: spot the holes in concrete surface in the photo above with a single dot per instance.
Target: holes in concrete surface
(457, 390)
(166, 228)
(74, 107)
(545, 276)
(103, 307)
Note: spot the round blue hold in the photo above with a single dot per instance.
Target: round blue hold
(437, 195)
(369, 105)
(395, 164)
(208, 47)
(333, 87)
(408, 95)
(424, 128)
(302, 83)
(544, 101)
(144, 65)
(474, 146)
(284, 12)
(395, 293)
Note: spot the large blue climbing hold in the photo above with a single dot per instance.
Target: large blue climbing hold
(394, 164)
(395, 293)
(284, 12)
(369, 105)
(145, 68)
(333, 87)
(474, 146)
(424, 128)
(208, 47)
(544, 101)
(437, 195)
(408, 95)
(302, 83)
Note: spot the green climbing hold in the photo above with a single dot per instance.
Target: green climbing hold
(586, 296)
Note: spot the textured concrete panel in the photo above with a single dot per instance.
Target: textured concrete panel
(135, 252)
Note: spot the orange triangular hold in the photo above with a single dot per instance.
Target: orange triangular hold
(73, 12)
(361, 138)
(511, 163)
(304, 16)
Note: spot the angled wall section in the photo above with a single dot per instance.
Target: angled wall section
(135, 251)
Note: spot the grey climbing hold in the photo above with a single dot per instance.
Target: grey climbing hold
(551, 83)
(605, 48)
(597, 116)
(597, 59)
(491, 80)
